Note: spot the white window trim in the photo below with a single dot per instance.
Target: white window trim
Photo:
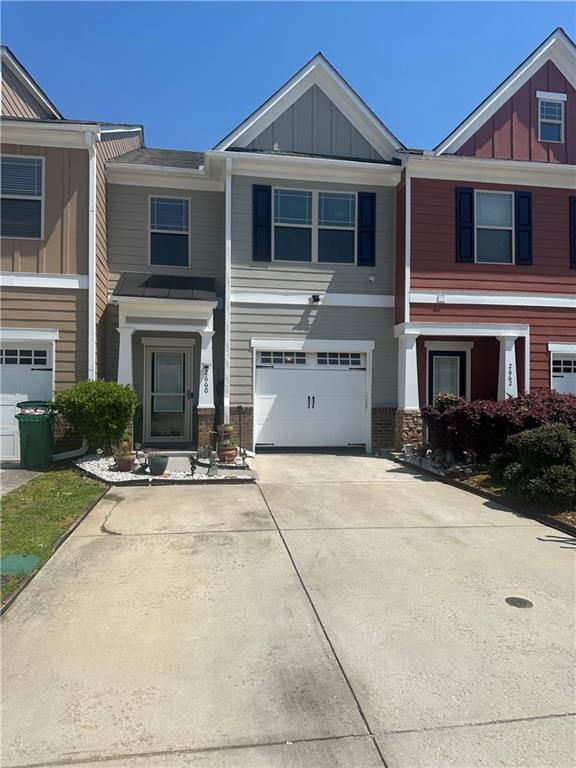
(315, 227)
(511, 229)
(558, 98)
(30, 197)
(450, 346)
(169, 232)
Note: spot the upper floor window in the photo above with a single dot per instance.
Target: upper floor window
(21, 187)
(495, 227)
(551, 116)
(314, 226)
(169, 232)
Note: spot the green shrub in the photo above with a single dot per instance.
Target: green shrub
(100, 410)
(553, 487)
(444, 400)
(539, 465)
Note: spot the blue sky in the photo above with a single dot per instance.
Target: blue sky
(191, 71)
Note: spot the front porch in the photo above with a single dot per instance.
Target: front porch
(166, 354)
(471, 360)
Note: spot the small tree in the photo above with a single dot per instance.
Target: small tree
(99, 410)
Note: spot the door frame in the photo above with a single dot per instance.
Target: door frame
(318, 345)
(461, 349)
(168, 345)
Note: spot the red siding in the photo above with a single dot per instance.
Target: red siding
(546, 325)
(400, 296)
(433, 257)
(512, 132)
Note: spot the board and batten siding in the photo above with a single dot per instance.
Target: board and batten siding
(300, 276)
(64, 247)
(433, 257)
(311, 322)
(128, 232)
(106, 148)
(66, 311)
(512, 132)
(313, 125)
(17, 101)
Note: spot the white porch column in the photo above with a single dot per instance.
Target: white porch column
(125, 375)
(408, 399)
(206, 391)
(507, 377)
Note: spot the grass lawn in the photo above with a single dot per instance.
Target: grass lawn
(35, 515)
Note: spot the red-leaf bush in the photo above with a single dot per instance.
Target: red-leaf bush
(481, 427)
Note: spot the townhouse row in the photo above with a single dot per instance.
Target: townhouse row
(310, 278)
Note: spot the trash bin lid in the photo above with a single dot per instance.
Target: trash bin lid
(35, 406)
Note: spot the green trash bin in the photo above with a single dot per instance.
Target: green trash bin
(35, 422)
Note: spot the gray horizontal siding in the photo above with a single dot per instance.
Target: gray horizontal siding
(346, 323)
(336, 278)
(313, 125)
(128, 232)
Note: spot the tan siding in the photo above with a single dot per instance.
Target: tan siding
(128, 233)
(17, 101)
(347, 323)
(105, 150)
(66, 311)
(336, 278)
(64, 248)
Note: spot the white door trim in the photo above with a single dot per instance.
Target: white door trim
(450, 346)
(157, 346)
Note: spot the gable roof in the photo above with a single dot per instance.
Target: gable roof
(318, 71)
(164, 158)
(558, 48)
(25, 78)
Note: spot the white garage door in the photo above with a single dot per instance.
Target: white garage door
(25, 374)
(311, 399)
(564, 373)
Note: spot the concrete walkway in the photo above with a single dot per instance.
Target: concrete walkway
(343, 613)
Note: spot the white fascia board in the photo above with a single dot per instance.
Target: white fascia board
(312, 345)
(125, 129)
(169, 308)
(299, 298)
(30, 84)
(494, 299)
(556, 48)
(562, 349)
(44, 280)
(160, 176)
(318, 72)
(464, 168)
(461, 329)
(29, 334)
(316, 169)
(55, 134)
(453, 346)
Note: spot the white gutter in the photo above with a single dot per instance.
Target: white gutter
(227, 285)
(91, 140)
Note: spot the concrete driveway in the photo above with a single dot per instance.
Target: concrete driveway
(343, 613)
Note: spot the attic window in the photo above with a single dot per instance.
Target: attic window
(551, 116)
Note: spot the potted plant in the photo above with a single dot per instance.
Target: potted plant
(125, 457)
(227, 452)
(157, 463)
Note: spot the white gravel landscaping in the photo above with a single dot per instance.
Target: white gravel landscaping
(104, 468)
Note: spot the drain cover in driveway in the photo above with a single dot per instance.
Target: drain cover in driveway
(18, 563)
(519, 602)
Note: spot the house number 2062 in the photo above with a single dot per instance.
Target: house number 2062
(205, 380)
(510, 377)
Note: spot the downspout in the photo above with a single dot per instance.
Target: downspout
(227, 285)
(91, 140)
(407, 240)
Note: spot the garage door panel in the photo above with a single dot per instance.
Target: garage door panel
(310, 406)
(564, 373)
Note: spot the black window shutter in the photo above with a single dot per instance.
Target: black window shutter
(573, 232)
(464, 224)
(366, 248)
(523, 222)
(261, 222)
